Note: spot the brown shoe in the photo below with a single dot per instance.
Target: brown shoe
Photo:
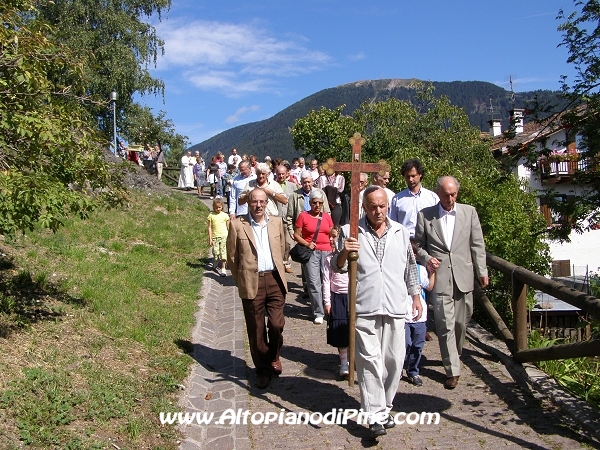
(288, 269)
(428, 337)
(263, 381)
(451, 382)
(277, 369)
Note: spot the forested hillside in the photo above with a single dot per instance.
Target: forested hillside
(272, 136)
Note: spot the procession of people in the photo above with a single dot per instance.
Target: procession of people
(417, 250)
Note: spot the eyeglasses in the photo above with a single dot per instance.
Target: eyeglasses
(316, 203)
(258, 202)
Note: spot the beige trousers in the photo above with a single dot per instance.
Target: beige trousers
(380, 349)
(452, 314)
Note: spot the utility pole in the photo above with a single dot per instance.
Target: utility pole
(113, 100)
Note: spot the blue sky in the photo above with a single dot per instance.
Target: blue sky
(227, 62)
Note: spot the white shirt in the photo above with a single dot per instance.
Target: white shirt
(230, 159)
(271, 209)
(406, 205)
(448, 221)
(296, 172)
(239, 184)
(263, 248)
(361, 211)
(390, 196)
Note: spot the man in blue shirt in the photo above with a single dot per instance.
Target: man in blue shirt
(239, 185)
(406, 204)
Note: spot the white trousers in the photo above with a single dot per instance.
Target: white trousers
(380, 349)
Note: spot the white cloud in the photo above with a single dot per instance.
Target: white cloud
(228, 81)
(234, 58)
(240, 112)
(357, 57)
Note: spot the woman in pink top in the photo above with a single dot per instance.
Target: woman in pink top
(305, 233)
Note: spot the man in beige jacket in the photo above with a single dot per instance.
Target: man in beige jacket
(255, 248)
(451, 244)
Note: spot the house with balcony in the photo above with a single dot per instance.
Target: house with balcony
(556, 171)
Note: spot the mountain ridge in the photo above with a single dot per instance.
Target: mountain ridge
(272, 136)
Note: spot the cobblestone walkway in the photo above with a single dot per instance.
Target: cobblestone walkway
(486, 410)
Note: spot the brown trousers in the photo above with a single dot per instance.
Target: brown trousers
(265, 341)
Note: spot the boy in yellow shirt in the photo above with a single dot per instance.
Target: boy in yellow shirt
(218, 227)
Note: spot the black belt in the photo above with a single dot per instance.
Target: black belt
(266, 272)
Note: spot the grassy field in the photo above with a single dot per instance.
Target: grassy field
(94, 325)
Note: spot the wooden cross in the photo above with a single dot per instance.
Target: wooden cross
(355, 167)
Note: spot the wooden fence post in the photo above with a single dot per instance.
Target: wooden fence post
(519, 301)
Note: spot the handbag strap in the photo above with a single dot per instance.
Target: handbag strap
(317, 230)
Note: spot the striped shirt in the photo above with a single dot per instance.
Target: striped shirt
(411, 274)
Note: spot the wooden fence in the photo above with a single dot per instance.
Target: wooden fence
(517, 339)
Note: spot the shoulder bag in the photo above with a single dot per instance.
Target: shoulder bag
(302, 254)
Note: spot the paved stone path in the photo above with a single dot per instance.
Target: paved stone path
(486, 410)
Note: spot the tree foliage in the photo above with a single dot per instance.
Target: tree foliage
(51, 161)
(142, 126)
(120, 46)
(438, 133)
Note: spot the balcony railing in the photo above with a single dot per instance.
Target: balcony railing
(557, 170)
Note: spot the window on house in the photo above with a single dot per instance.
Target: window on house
(553, 217)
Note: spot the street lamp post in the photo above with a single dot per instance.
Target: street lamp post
(113, 100)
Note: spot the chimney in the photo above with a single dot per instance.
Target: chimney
(516, 118)
(495, 127)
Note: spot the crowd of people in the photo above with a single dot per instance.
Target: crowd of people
(417, 249)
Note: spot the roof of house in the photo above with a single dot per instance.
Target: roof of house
(531, 131)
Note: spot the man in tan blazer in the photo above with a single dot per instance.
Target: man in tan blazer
(255, 248)
(451, 243)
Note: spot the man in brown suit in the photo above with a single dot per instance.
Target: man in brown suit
(255, 248)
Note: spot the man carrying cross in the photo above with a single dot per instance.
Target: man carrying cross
(375, 250)
(384, 252)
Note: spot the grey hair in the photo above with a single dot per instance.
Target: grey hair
(262, 168)
(371, 189)
(305, 174)
(441, 180)
(316, 193)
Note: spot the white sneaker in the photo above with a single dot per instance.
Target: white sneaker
(318, 320)
(344, 369)
(223, 273)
